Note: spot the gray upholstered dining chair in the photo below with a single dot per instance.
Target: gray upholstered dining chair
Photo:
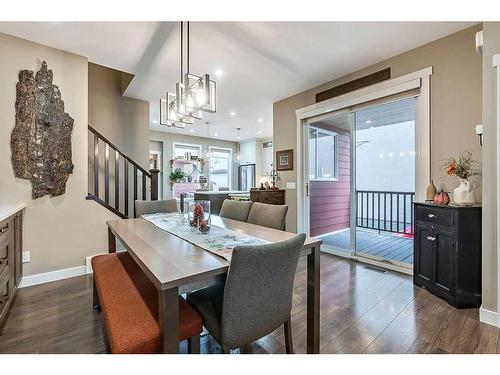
(154, 207)
(235, 210)
(268, 215)
(256, 297)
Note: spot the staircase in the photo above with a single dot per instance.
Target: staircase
(115, 180)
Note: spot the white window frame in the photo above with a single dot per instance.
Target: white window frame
(180, 144)
(335, 155)
(230, 167)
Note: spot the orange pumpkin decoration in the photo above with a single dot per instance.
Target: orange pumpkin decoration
(442, 198)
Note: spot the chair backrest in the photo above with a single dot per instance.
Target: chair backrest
(154, 207)
(235, 210)
(223, 188)
(258, 290)
(268, 215)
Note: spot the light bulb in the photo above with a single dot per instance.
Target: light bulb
(200, 97)
(189, 101)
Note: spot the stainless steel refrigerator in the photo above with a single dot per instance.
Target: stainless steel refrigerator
(246, 177)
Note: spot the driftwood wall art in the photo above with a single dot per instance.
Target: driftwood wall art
(41, 139)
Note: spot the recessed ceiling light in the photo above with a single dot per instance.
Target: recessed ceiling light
(259, 132)
(216, 134)
(391, 154)
(219, 73)
(191, 130)
(259, 119)
(368, 121)
(232, 113)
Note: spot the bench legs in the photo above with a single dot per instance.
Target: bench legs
(96, 303)
(194, 344)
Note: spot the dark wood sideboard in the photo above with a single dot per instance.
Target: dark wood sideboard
(268, 196)
(447, 252)
(11, 254)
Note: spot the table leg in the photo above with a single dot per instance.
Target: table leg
(313, 294)
(111, 242)
(168, 317)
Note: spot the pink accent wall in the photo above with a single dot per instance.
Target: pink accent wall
(329, 210)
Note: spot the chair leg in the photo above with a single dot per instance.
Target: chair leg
(288, 336)
(96, 303)
(225, 349)
(194, 344)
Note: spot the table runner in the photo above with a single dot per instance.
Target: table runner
(219, 241)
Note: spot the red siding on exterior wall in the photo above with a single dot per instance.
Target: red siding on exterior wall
(329, 210)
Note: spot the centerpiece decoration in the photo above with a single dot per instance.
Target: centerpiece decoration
(462, 167)
(200, 217)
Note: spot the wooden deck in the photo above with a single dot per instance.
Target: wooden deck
(392, 246)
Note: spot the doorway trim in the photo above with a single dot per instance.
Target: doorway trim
(416, 80)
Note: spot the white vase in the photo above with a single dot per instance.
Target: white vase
(464, 193)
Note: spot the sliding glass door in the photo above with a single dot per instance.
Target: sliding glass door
(360, 181)
(385, 181)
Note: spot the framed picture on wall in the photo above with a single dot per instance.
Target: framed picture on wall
(284, 160)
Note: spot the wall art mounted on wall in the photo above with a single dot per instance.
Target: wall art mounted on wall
(41, 139)
(284, 160)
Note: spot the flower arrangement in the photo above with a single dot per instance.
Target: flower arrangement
(461, 167)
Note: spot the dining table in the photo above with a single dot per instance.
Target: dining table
(176, 266)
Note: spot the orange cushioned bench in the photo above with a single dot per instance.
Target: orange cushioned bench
(129, 302)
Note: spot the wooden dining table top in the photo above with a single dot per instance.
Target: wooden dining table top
(171, 261)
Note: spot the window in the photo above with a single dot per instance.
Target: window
(180, 149)
(220, 168)
(322, 154)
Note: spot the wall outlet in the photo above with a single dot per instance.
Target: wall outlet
(290, 185)
(26, 256)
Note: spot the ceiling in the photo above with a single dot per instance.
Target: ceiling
(262, 62)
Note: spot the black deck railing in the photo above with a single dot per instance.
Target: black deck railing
(385, 211)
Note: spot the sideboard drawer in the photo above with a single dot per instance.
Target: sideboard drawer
(4, 289)
(4, 245)
(434, 215)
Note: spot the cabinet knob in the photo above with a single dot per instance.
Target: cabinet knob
(431, 238)
(430, 216)
(4, 229)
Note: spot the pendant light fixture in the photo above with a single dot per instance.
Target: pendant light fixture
(207, 153)
(237, 154)
(193, 94)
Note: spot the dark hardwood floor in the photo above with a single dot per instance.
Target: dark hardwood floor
(362, 311)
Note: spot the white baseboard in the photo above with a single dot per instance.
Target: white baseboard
(489, 317)
(51, 276)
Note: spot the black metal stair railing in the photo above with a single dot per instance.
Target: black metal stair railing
(385, 211)
(120, 192)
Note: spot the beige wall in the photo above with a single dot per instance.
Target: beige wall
(124, 121)
(490, 188)
(60, 232)
(168, 139)
(455, 104)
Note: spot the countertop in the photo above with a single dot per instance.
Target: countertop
(222, 192)
(7, 210)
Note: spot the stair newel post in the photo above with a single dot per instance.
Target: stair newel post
(154, 183)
